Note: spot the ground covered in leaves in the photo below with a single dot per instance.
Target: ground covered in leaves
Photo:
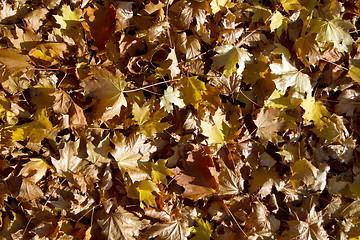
(189, 119)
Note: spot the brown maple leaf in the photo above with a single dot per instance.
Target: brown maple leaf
(199, 177)
(269, 125)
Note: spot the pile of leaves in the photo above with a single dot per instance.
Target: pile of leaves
(188, 119)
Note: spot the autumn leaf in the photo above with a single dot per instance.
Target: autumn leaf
(315, 111)
(108, 88)
(307, 50)
(290, 77)
(159, 171)
(69, 17)
(218, 131)
(199, 178)
(192, 91)
(34, 170)
(231, 58)
(279, 23)
(98, 154)
(203, 231)
(334, 31)
(36, 130)
(146, 189)
(100, 24)
(122, 225)
(69, 161)
(48, 54)
(131, 154)
(269, 125)
(171, 96)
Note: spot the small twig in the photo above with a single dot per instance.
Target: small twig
(230, 213)
(334, 64)
(148, 86)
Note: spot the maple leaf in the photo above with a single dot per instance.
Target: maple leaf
(171, 96)
(310, 229)
(176, 230)
(269, 125)
(333, 31)
(304, 171)
(141, 114)
(69, 161)
(291, 5)
(203, 231)
(192, 91)
(100, 24)
(131, 154)
(159, 171)
(279, 23)
(29, 191)
(34, 170)
(218, 132)
(193, 10)
(146, 189)
(13, 61)
(122, 225)
(35, 18)
(48, 54)
(98, 154)
(315, 111)
(231, 58)
(216, 5)
(199, 178)
(230, 181)
(69, 17)
(108, 88)
(307, 50)
(290, 77)
(36, 130)
(154, 125)
(189, 45)
(263, 180)
(24, 39)
(64, 104)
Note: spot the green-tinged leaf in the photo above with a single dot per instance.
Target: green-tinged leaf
(217, 132)
(34, 131)
(159, 171)
(279, 23)
(146, 189)
(203, 231)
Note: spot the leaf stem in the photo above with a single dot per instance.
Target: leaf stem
(148, 86)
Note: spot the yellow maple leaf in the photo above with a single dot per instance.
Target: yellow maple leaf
(159, 171)
(229, 57)
(193, 90)
(203, 231)
(171, 96)
(36, 130)
(279, 23)
(334, 31)
(69, 18)
(217, 132)
(216, 5)
(48, 54)
(141, 114)
(289, 76)
(315, 111)
(146, 189)
(291, 5)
